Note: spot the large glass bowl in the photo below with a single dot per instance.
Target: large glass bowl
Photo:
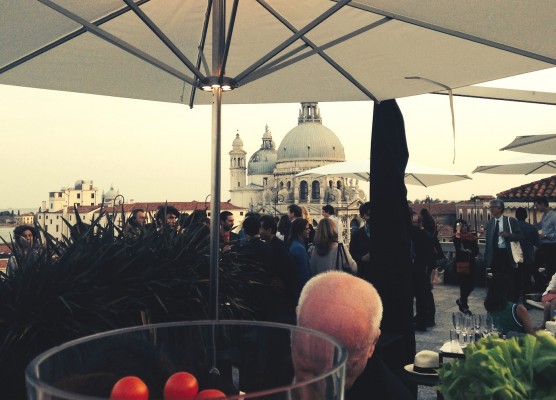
(245, 360)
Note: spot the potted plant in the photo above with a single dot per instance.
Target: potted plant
(495, 368)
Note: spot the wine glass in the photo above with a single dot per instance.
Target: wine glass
(456, 321)
(478, 321)
(487, 325)
(466, 329)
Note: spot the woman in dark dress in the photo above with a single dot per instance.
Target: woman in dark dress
(467, 248)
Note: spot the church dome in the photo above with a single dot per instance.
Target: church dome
(310, 140)
(110, 195)
(263, 161)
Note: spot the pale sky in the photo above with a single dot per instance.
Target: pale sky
(157, 151)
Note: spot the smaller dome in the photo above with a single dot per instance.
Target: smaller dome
(237, 142)
(262, 162)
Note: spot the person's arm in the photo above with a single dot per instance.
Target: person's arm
(350, 261)
(525, 319)
(551, 222)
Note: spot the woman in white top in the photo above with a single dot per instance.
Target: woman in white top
(326, 254)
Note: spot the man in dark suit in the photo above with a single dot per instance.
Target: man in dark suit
(283, 284)
(500, 231)
(360, 244)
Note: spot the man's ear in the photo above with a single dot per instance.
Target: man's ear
(372, 346)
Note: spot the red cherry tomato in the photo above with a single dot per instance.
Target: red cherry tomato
(210, 394)
(181, 386)
(130, 388)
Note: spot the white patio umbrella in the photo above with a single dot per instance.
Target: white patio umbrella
(523, 165)
(535, 144)
(268, 51)
(415, 174)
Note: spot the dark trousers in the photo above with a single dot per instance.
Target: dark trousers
(424, 300)
(547, 256)
(502, 263)
(466, 285)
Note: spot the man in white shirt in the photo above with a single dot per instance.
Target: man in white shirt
(329, 212)
(498, 254)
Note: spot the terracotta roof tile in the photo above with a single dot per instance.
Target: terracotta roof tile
(542, 188)
(180, 205)
(436, 208)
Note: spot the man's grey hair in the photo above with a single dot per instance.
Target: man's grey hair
(497, 203)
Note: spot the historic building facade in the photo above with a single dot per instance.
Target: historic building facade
(268, 183)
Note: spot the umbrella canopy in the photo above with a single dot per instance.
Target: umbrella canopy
(415, 174)
(524, 165)
(273, 50)
(268, 51)
(536, 144)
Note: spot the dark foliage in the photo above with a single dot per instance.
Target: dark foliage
(98, 280)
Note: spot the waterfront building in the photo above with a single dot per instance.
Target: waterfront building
(82, 194)
(267, 184)
(25, 219)
(60, 206)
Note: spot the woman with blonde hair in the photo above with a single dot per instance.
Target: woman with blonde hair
(326, 253)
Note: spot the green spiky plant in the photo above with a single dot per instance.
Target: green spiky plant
(97, 280)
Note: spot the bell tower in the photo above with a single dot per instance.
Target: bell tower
(237, 168)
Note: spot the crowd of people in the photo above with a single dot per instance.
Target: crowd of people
(308, 271)
(510, 273)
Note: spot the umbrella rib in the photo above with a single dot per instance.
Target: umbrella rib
(455, 33)
(165, 39)
(534, 141)
(417, 179)
(66, 38)
(320, 51)
(200, 55)
(277, 50)
(229, 38)
(123, 45)
(285, 60)
(543, 164)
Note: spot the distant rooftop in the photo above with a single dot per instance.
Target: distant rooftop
(435, 208)
(541, 188)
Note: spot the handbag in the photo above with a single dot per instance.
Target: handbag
(517, 252)
(437, 276)
(341, 259)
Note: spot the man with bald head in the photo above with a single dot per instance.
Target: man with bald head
(349, 309)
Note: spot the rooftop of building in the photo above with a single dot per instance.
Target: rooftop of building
(435, 208)
(541, 188)
(180, 205)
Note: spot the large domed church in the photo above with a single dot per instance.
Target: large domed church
(267, 183)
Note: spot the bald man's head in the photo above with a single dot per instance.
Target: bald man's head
(347, 308)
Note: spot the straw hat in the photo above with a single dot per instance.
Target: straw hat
(426, 363)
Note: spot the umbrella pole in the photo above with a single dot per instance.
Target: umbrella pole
(218, 30)
(215, 201)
